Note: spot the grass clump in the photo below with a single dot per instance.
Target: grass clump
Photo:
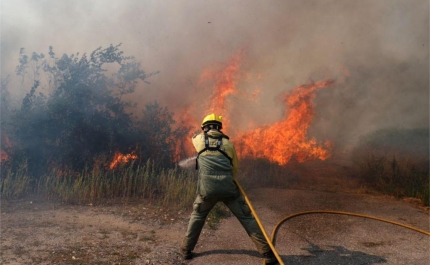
(15, 184)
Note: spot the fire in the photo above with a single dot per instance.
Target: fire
(283, 140)
(225, 78)
(183, 146)
(122, 159)
(5, 143)
(225, 83)
(4, 156)
(278, 142)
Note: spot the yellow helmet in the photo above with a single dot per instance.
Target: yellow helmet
(214, 120)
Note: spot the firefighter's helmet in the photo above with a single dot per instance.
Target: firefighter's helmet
(212, 121)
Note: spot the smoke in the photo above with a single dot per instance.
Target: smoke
(378, 52)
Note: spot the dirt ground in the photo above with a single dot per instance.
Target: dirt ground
(39, 232)
(324, 238)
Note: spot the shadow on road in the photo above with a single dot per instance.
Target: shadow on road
(229, 251)
(336, 255)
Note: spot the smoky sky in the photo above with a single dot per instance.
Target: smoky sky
(377, 51)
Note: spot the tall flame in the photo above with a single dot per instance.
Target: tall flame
(283, 140)
(225, 83)
(225, 78)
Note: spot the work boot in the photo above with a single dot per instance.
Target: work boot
(186, 254)
(270, 258)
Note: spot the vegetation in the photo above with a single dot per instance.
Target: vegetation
(395, 162)
(83, 115)
(173, 188)
(60, 141)
(263, 173)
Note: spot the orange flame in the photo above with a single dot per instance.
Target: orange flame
(278, 142)
(225, 78)
(122, 159)
(183, 147)
(225, 83)
(283, 140)
(5, 143)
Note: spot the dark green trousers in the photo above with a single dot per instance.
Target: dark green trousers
(238, 206)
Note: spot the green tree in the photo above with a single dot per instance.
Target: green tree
(84, 114)
(155, 134)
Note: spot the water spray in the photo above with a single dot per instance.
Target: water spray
(188, 163)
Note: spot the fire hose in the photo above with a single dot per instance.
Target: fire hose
(272, 246)
(272, 240)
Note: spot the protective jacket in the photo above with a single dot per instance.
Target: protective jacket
(217, 164)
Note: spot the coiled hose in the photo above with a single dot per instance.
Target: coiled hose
(272, 240)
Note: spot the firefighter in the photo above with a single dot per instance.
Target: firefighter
(218, 165)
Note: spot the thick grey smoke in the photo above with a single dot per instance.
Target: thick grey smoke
(378, 51)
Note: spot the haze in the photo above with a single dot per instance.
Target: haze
(377, 51)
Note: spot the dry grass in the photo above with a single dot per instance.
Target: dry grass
(396, 176)
(167, 187)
